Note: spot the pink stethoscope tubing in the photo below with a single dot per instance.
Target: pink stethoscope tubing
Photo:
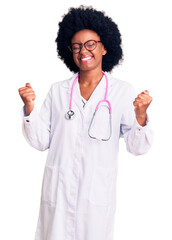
(70, 114)
(105, 97)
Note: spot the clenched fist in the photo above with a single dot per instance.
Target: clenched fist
(28, 96)
(141, 104)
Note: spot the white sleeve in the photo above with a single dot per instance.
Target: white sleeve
(138, 139)
(37, 126)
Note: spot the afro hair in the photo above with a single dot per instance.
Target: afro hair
(88, 18)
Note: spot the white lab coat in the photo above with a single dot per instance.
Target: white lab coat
(78, 190)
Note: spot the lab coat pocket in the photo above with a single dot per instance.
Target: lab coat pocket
(101, 191)
(50, 185)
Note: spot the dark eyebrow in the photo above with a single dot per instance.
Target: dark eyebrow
(86, 41)
(76, 43)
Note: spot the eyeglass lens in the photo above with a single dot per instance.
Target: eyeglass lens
(89, 45)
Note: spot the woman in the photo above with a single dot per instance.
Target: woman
(78, 191)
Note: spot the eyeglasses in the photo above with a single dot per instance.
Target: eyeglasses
(90, 45)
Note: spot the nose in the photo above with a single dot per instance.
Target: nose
(83, 49)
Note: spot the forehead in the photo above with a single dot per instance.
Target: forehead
(85, 35)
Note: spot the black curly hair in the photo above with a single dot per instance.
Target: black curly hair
(88, 18)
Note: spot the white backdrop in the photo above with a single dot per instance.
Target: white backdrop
(28, 54)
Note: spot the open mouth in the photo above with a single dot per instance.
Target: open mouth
(86, 59)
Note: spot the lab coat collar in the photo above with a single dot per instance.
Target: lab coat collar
(96, 96)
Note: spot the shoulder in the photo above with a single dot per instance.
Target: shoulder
(66, 84)
(120, 85)
(118, 82)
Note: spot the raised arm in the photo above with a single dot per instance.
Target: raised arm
(141, 104)
(28, 96)
(36, 126)
(135, 127)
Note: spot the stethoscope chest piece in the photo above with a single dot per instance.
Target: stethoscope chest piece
(70, 115)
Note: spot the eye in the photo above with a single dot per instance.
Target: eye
(75, 46)
(90, 44)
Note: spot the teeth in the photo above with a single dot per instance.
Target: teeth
(86, 58)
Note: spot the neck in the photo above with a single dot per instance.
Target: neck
(90, 78)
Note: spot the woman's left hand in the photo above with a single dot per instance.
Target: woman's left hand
(141, 104)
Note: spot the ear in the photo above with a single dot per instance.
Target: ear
(104, 51)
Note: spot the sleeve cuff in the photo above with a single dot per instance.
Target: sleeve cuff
(142, 128)
(27, 118)
(24, 111)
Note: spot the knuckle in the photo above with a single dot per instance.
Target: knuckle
(24, 95)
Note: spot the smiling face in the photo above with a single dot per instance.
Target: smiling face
(87, 60)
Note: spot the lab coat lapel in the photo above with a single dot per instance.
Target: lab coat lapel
(99, 92)
(97, 95)
(76, 100)
(77, 97)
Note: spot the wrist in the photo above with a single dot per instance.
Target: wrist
(28, 108)
(141, 119)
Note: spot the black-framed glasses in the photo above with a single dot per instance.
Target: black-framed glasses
(90, 45)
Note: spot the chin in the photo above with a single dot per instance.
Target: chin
(88, 68)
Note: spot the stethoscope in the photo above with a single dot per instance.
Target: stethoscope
(70, 114)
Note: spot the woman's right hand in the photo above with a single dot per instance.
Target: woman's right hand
(28, 96)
